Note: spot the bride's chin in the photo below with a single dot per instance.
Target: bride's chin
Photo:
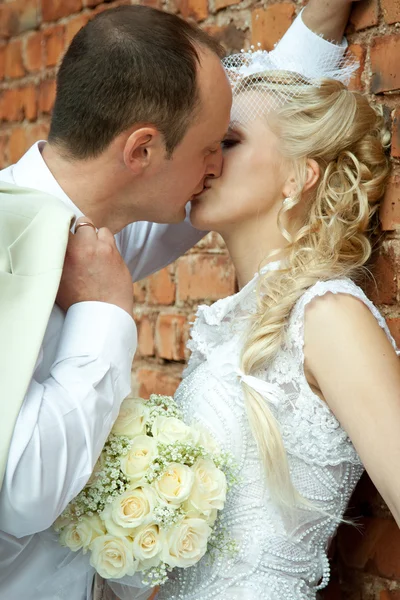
(197, 217)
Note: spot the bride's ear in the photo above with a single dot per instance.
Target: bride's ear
(313, 173)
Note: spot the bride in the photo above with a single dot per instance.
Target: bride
(296, 375)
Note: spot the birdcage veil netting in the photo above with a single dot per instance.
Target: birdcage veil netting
(284, 76)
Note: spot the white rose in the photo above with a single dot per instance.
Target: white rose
(175, 485)
(134, 507)
(132, 418)
(110, 525)
(209, 487)
(186, 543)
(194, 513)
(208, 441)
(168, 430)
(137, 461)
(81, 534)
(112, 557)
(147, 546)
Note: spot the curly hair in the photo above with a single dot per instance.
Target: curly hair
(346, 136)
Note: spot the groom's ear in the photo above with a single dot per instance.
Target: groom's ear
(143, 147)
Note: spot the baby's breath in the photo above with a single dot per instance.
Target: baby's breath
(161, 406)
(167, 516)
(109, 482)
(156, 575)
(220, 543)
(183, 453)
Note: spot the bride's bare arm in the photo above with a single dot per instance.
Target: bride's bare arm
(350, 360)
(327, 17)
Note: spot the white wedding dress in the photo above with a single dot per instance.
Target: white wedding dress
(279, 558)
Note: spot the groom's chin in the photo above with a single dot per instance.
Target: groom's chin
(172, 218)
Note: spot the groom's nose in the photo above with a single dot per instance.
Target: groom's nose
(214, 166)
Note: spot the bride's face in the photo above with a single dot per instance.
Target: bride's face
(254, 176)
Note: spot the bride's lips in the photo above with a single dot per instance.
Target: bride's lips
(203, 191)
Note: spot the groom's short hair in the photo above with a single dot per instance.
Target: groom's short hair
(131, 64)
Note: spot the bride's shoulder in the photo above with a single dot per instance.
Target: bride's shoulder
(332, 295)
(337, 305)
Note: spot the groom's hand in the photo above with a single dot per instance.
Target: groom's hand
(94, 270)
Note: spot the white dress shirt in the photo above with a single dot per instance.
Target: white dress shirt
(82, 376)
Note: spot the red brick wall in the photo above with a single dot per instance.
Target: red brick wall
(33, 36)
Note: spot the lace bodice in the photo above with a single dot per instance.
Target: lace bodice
(280, 557)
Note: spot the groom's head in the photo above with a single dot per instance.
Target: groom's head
(147, 90)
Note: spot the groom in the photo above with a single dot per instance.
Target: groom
(142, 106)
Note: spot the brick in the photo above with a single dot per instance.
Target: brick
(145, 336)
(391, 11)
(3, 50)
(394, 326)
(140, 291)
(383, 288)
(395, 151)
(358, 547)
(47, 94)
(102, 7)
(170, 336)
(220, 4)
(152, 3)
(54, 44)
(153, 381)
(211, 240)
(161, 287)
(385, 63)
(18, 144)
(18, 103)
(268, 25)
(53, 10)
(14, 67)
(390, 205)
(18, 16)
(29, 14)
(29, 99)
(35, 132)
(229, 36)
(204, 277)
(194, 9)
(9, 21)
(92, 3)
(386, 559)
(364, 14)
(34, 52)
(358, 52)
(73, 26)
(10, 108)
(386, 595)
(332, 592)
(4, 147)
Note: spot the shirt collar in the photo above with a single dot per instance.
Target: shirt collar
(31, 171)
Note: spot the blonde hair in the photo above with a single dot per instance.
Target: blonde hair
(346, 136)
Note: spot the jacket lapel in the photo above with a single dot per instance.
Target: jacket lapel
(34, 229)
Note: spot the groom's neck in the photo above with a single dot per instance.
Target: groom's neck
(96, 186)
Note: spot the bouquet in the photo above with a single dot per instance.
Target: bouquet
(152, 501)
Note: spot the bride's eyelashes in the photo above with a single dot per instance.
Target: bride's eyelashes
(228, 143)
